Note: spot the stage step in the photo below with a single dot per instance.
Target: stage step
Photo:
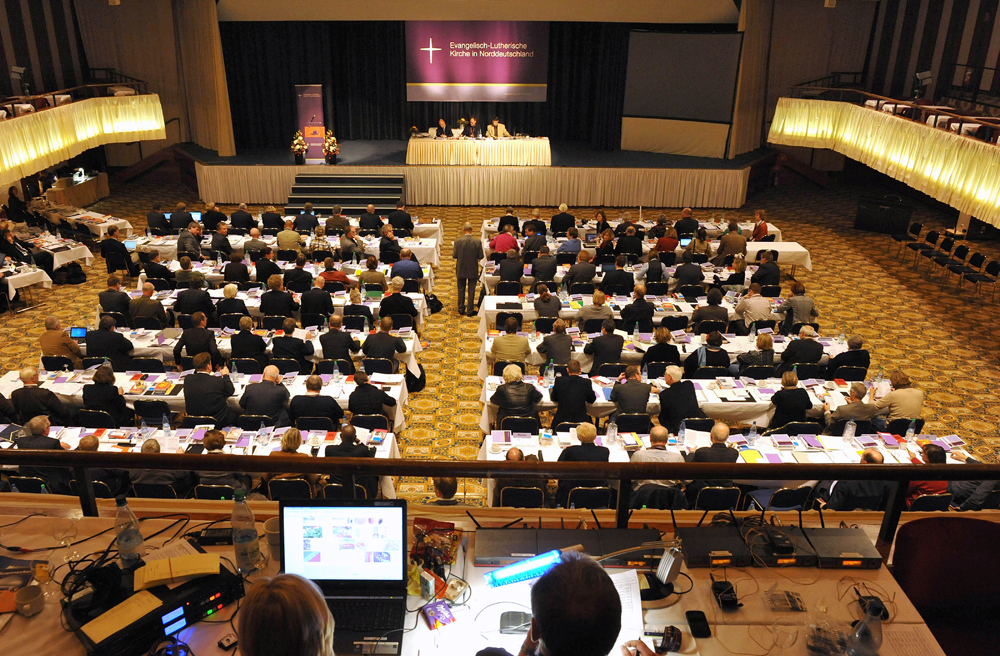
(352, 192)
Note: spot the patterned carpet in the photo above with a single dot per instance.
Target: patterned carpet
(949, 344)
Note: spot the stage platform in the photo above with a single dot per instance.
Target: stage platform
(579, 176)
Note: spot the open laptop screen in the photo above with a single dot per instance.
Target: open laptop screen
(343, 542)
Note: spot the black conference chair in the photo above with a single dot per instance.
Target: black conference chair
(57, 363)
(498, 367)
(522, 497)
(850, 374)
(288, 488)
(634, 423)
(930, 503)
(520, 425)
(589, 497)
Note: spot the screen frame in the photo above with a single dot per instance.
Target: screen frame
(74, 332)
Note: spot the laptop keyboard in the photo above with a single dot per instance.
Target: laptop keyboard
(367, 615)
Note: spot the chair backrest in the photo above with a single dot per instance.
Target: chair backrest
(94, 360)
(806, 370)
(674, 322)
(717, 498)
(338, 491)
(354, 322)
(147, 365)
(850, 374)
(790, 498)
(411, 285)
(656, 369)
(634, 423)
(993, 268)
(500, 365)
(314, 423)
(589, 497)
(758, 371)
(932, 237)
(231, 320)
(308, 319)
(57, 363)
(699, 424)
(616, 290)
(657, 288)
(564, 426)
(582, 288)
(285, 365)
(101, 489)
(592, 325)
(798, 428)
(899, 426)
(96, 419)
(246, 366)
(915, 229)
(190, 421)
(862, 427)
(566, 258)
(709, 326)
(401, 321)
(691, 291)
(756, 326)
(508, 288)
(288, 488)
(331, 286)
(708, 373)
(151, 409)
(221, 492)
(544, 324)
(253, 422)
(371, 422)
(27, 484)
(520, 425)
(976, 261)
(946, 245)
(930, 503)
(299, 286)
(154, 490)
(326, 366)
(120, 320)
(378, 366)
(503, 316)
(149, 323)
(286, 255)
(796, 327)
(522, 497)
(184, 321)
(961, 253)
(272, 322)
(388, 257)
(612, 369)
(771, 291)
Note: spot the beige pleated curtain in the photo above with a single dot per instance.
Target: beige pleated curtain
(174, 45)
(751, 85)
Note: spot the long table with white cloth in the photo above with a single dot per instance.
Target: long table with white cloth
(95, 222)
(24, 275)
(426, 151)
(713, 228)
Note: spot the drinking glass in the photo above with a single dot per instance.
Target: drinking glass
(43, 575)
(64, 531)
(785, 632)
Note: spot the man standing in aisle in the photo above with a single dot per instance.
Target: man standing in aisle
(467, 251)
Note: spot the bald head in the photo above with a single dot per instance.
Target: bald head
(871, 457)
(148, 289)
(271, 373)
(515, 454)
(348, 434)
(371, 209)
(254, 233)
(720, 433)
(51, 323)
(405, 254)
(658, 435)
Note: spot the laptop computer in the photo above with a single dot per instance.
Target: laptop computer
(355, 551)
(684, 241)
(130, 244)
(79, 333)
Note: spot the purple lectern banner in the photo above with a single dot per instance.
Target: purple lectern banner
(310, 105)
(477, 61)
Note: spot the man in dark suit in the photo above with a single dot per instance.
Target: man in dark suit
(804, 349)
(317, 301)
(678, 401)
(306, 220)
(768, 272)
(236, 270)
(30, 400)
(630, 395)
(157, 222)
(242, 219)
(629, 244)
(180, 218)
(195, 299)
(382, 344)
(350, 447)
(37, 438)
(338, 345)
(298, 275)
(970, 495)
(581, 271)
(717, 452)
(852, 495)
(397, 302)
(314, 404)
(369, 220)
(509, 219)
(288, 346)
(688, 273)
(156, 270)
(606, 348)
(472, 129)
(515, 454)
(220, 241)
(544, 266)
(265, 266)
(268, 397)
(198, 339)
(111, 245)
(534, 221)
(534, 240)
(146, 306)
(638, 311)
(619, 279)
(563, 221)
(511, 269)
(401, 219)
(114, 299)
(571, 394)
(366, 399)
(180, 480)
(686, 225)
(271, 220)
(206, 395)
(106, 342)
(586, 451)
(854, 356)
(212, 217)
(337, 223)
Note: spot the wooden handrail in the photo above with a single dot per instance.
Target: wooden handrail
(65, 91)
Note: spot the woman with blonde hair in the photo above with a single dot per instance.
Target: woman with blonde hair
(597, 310)
(356, 308)
(762, 357)
(791, 402)
(291, 441)
(285, 616)
(515, 398)
(662, 350)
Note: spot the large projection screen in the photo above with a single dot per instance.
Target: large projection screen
(477, 61)
(686, 76)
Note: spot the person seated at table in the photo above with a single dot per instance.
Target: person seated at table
(760, 228)
(113, 299)
(582, 271)
(854, 356)
(856, 495)
(970, 495)
(668, 241)
(629, 243)
(768, 272)
(289, 239)
(657, 452)
(198, 339)
(445, 488)
(619, 280)
(653, 270)
(56, 342)
(753, 307)
(319, 243)
(339, 345)
(306, 625)
(572, 243)
(305, 220)
(625, 223)
(180, 481)
(268, 397)
(206, 395)
(687, 224)
(298, 275)
(571, 394)
(407, 267)
(211, 217)
(106, 342)
(229, 304)
(598, 308)
(36, 437)
(533, 238)
(737, 279)
(389, 243)
(563, 221)
(763, 356)
(242, 219)
(505, 240)
(337, 223)
(111, 245)
(903, 401)
(214, 441)
(442, 130)
(367, 399)
(397, 302)
(804, 349)
(400, 219)
(546, 305)
(180, 218)
(276, 301)
(271, 219)
(730, 243)
(607, 246)
(688, 273)
(236, 270)
(316, 404)
(383, 344)
(104, 395)
(316, 300)
(629, 394)
(639, 311)
(183, 275)
(356, 308)
(331, 273)
(601, 222)
(585, 451)
(371, 275)
(116, 479)
(515, 454)
(247, 346)
(544, 266)
(351, 447)
(515, 398)
(558, 346)
(510, 269)
(472, 129)
(929, 454)
(189, 241)
(351, 245)
(287, 346)
(855, 408)
(510, 347)
(700, 245)
(156, 221)
(718, 451)
(607, 348)
(797, 308)
(265, 266)
(711, 312)
(369, 220)
(509, 219)
(30, 400)
(660, 228)
(678, 401)
(791, 402)
(496, 129)
(662, 350)
(710, 354)
(534, 221)
(154, 269)
(196, 299)
(220, 241)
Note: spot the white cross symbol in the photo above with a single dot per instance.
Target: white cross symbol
(430, 49)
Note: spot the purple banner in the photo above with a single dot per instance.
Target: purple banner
(476, 61)
(310, 105)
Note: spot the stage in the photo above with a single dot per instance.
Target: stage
(579, 176)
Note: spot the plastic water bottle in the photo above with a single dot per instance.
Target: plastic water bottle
(645, 374)
(143, 431)
(911, 431)
(166, 426)
(849, 429)
(131, 547)
(244, 535)
(842, 337)
(752, 437)
(550, 376)
(336, 372)
(753, 331)
(635, 333)
(866, 638)
(234, 374)
(563, 296)
(881, 375)
(682, 433)
(611, 436)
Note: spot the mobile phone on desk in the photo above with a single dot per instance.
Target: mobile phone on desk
(698, 624)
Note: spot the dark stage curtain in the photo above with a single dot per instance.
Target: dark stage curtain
(361, 67)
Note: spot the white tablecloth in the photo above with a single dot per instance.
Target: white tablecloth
(72, 254)
(25, 278)
(96, 223)
(427, 250)
(481, 152)
(590, 227)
